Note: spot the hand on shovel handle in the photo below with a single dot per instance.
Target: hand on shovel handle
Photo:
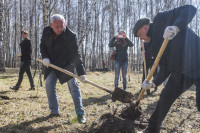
(155, 64)
(76, 76)
(117, 94)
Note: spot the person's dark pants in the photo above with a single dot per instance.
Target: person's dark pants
(25, 67)
(149, 64)
(168, 95)
(197, 84)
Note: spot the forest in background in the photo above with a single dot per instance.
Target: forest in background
(95, 22)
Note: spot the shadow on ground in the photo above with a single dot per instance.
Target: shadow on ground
(5, 77)
(96, 100)
(25, 126)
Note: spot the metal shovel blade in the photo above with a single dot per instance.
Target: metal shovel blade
(122, 96)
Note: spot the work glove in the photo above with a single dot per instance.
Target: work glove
(18, 55)
(147, 85)
(170, 32)
(46, 62)
(83, 78)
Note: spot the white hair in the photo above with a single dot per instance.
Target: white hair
(57, 17)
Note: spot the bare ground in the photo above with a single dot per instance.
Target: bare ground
(27, 111)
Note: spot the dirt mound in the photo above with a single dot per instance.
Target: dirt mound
(127, 120)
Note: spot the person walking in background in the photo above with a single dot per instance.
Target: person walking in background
(26, 51)
(121, 44)
(59, 47)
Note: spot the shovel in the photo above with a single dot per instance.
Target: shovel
(117, 94)
(155, 64)
(134, 110)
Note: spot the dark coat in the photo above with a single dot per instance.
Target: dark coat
(26, 49)
(62, 52)
(182, 54)
(121, 48)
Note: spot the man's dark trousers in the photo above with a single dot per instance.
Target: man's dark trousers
(25, 67)
(168, 95)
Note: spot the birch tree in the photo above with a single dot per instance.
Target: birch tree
(2, 63)
(95, 23)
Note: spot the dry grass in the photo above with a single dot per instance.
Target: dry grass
(27, 111)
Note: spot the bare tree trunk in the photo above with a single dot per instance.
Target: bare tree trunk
(117, 2)
(80, 14)
(31, 19)
(125, 16)
(2, 62)
(15, 38)
(111, 29)
(45, 12)
(36, 45)
(82, 47)
(51, 6)
(102, 44)
(68, 13)
(151, 3)
(20, 18)
(94, 40)
(7, 40)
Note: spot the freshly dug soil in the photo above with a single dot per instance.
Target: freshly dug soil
(112, 124)
(126, 121)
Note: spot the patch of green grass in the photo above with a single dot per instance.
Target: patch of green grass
(73, 120)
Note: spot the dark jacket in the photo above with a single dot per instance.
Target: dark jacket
(121, 48)
(26, 49)
(148, 56)
(182, 54)
(62, 52)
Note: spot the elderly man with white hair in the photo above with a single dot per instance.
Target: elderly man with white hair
(59, 47)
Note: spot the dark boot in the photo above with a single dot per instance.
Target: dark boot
(148, 91)
(14, 88)
(32, 88)
(54, 115)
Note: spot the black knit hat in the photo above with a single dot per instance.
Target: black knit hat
(139, 24)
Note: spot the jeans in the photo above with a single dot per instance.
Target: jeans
(25, 67)
(74, 89)
(118, 66)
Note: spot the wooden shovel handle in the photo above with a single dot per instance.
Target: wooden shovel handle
(155, 64)
(76, 76)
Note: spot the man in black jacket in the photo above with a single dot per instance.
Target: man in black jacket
(59, 47)
(25, 55)
(180, 61)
